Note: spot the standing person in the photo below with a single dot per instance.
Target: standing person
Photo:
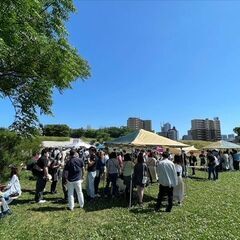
(139, 176)
(230, 161)
(202, 157)
(128, 167)
(178, 191)
(101, 162)
(113, 169)
(167, 178)
(42, 175)
(211, 165)
(74, 175)
(54, 171)
(151, 164)
(91, 168)
(192, 161)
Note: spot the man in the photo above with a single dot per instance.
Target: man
(192, 162)
(42, 175)
(167, 178)
(74, 174)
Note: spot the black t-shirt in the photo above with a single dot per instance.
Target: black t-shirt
(42, 162)
(93, 167)
(74, 167)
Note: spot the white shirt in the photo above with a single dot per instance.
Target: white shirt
(167, 174)
(14, 185)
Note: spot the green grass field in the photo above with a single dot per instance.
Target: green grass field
(210, 211)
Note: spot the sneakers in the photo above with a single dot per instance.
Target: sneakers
(42, 201)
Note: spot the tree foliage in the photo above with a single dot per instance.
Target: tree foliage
(57, 130)
(237, 130)
(35, 57)
(15, 150)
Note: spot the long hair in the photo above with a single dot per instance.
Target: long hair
(14, 171)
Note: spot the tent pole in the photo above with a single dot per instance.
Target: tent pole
(185, 170)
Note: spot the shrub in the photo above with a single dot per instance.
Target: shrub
(15, 150)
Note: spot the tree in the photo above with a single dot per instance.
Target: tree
(237, 130)
(57, 130)
(35, 57)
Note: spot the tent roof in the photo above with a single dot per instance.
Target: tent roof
(190, 149)
(145, 138)
(222, 145)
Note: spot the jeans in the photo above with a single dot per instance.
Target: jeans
(113, 179)
(4, 205)
(40, 185)
(211, 170)
(77, 186)
(165, 190)
(90, 184)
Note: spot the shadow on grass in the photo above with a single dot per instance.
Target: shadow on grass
(119, 202)
(48, 209)
(30, 191)
(201, 179)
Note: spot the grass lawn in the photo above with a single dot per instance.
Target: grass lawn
(210, 211)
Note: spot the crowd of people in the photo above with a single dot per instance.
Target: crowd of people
(120, 172)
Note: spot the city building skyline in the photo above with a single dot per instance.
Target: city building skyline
(205, 130)
(137, 124)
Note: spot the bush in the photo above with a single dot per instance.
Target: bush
(16, 150)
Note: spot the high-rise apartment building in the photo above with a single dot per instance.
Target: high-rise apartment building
(137, 123)
(173, 134)
(205, 129)
(147, 125)
(169, 132)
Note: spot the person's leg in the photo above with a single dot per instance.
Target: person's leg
(64, 188)
(96, 183)
(53, 186)
(140, 191)
(215, 173)
(193, 171)
(160, 197)
(114, 177)
(78, 188)
(209, 172)
(170, 199)
(40, 185)
(70, 187)
(91, 177)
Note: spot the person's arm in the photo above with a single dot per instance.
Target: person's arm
(90, 162)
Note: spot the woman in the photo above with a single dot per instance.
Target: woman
(128, 166)
(178, 191)
(101, 162)
(140, 176)
(13, 188)
(113, 169)
(152, 163)
(54, 172)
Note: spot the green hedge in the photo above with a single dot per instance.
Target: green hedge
(16, 150)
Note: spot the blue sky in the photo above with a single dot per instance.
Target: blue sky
(168, 61)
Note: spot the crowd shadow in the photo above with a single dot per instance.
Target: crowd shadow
(103, 203)
(48, 209)
(200, 179)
